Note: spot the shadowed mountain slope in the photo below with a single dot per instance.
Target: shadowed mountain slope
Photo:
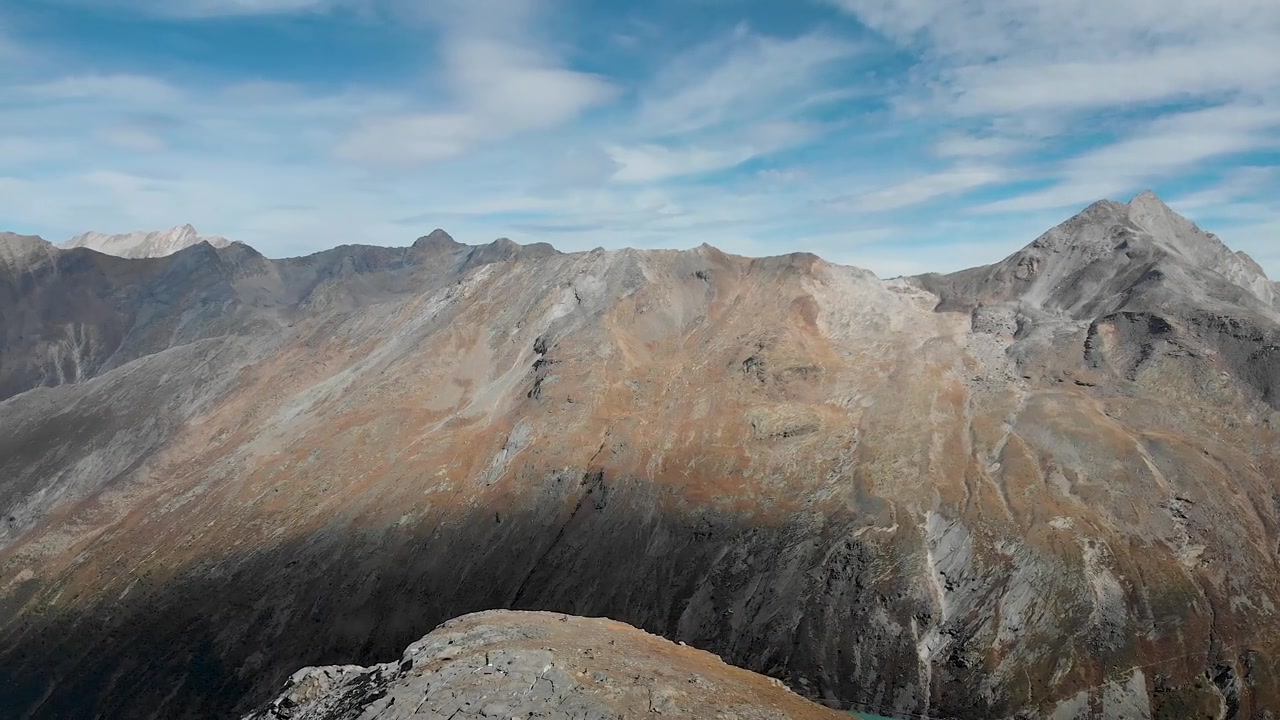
(1047, 486)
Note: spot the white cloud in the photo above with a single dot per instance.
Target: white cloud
(725, 102)
(1242, 183)
(198, 9)
(134, 139)
(651, 162)
(977, 29)
(497, 91)
(1009, 56)
(1136, 76)
(782, 175)
(967, 146)
(648, 163)
(743, 75)
(1157, 152)
(20, 150)
(130, 89)
(924, 188)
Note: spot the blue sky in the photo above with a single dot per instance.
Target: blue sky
(897, 135)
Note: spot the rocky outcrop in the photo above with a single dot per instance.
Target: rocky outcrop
(1046, 487)
(529, 665)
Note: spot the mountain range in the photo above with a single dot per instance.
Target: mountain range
(1043, 488)
(144, 244)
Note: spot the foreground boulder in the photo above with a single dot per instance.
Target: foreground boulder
(538, 665)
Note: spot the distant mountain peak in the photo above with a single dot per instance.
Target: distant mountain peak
(436, 239)
(143, 244)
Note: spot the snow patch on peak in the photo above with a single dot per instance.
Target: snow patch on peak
(144, 244)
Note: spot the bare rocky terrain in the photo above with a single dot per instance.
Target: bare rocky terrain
(1046, 488)
(504, 664)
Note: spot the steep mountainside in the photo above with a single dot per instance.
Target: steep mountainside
(512, 664)
(144, 244)
(1048, 486)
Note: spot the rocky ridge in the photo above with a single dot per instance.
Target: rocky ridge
(529, 665)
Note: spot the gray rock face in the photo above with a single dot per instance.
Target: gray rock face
(506, 665)
(18, 253)
(1144, 272)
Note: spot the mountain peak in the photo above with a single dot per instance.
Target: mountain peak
(1149, 211)
(143, 244)
(1096, 261)
(1147, 198)
(436, 239)
(1185, 240)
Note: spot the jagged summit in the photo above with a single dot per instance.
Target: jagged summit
(143, 244)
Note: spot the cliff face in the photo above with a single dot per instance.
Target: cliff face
(1047, 486)
(519, 664)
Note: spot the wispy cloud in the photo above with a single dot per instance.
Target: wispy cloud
(499, 77)
(1240, 184)
(743, 76)
(924, 188)
(198, 9)
(647, 163)
(127, 89)
(499, 93)
(1001, 56)
(968, 146)
(1175, 72)
(1159, 148)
